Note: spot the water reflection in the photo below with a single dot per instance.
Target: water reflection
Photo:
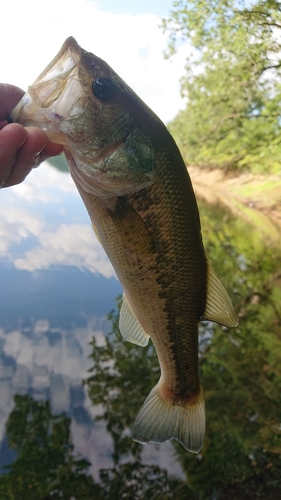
(56, 290)
(46, 465)
(43, 224)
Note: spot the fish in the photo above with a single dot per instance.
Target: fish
(135, 185)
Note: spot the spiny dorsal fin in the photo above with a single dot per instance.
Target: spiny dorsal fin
(130, 327)
(218, 306)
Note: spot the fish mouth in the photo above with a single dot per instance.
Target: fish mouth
(56, 95)
(29, 115)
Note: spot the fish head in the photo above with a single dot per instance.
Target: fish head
(80, 102)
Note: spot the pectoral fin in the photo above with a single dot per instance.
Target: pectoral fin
(130, 327)
(219, 307)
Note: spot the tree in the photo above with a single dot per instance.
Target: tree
(45, 467)
(232, 82)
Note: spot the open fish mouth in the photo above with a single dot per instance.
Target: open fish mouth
(55, 96)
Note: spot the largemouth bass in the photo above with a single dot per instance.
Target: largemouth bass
(136, 188)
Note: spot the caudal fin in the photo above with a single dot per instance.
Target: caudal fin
(160, 419)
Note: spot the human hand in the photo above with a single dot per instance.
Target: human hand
(21, 148)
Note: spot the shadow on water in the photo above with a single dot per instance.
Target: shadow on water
(241, 377)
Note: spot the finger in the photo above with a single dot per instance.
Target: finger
(9, 97)
(11, 138)
(34, 151)
(50, 149)
(27, 155)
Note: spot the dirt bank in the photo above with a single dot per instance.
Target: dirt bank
(254, 197)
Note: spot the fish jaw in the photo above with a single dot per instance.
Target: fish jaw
(54, 95)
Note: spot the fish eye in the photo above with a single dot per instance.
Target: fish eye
(103, 88)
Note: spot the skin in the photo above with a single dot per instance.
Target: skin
(20, 146)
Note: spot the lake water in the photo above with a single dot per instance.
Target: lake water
(57, 289)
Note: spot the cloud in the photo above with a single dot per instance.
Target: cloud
(132, 45)
(68, 245)
(45, 184)
(39, 359)
(44, 366)
(26, 217)
(15, 225)
(51, 370)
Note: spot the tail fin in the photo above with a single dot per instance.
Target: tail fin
(160, 419)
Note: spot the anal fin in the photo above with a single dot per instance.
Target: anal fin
(130, 327)
(219, 307)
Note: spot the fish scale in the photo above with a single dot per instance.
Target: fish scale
(135, 186)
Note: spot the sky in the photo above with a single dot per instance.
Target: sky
(125, 33)
(158, 7)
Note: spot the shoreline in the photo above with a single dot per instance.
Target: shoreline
(256, 198)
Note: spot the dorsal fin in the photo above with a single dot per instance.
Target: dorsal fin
(219, 307)
(130, 327)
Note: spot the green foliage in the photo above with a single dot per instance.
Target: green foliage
(232, 82)
(136, 481)
(45, 467)
(240, 370)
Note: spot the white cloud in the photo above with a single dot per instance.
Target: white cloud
(39, 364)
(53, 244)
(68, 356)
(71, 245)
(45, 184)
(132, 45)
(16, 224)
(60, 366)
(20, 224)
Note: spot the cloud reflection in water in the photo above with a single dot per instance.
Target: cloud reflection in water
(54, 239)
(57, 287)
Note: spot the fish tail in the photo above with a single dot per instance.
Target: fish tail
(161, 419)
